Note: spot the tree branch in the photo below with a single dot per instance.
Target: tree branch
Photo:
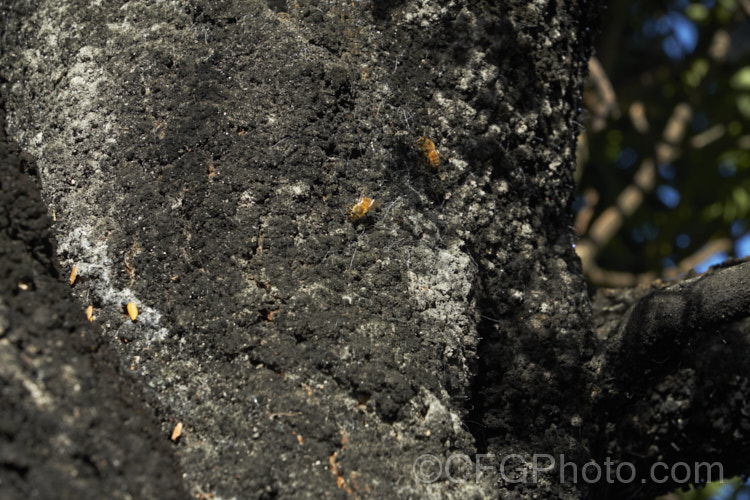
(674, 383)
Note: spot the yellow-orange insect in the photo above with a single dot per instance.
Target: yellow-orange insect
(430, 155)
(177, 431)
(132, 310)
(360, 209)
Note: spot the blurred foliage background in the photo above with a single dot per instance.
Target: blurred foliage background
(664, 155)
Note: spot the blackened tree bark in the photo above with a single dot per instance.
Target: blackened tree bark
(199, 158)
(70, 425)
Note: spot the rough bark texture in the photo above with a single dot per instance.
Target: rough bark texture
(675, 376)
(70, 425)
(199, 158)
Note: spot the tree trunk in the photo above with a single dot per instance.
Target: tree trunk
(201, 160)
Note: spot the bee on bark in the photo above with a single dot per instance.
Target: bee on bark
(430, 155)
(362, 207)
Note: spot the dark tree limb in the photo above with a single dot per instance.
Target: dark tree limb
(674, 385)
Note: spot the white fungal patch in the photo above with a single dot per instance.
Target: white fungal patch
(95, 265)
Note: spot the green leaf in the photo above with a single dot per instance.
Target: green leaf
(743, 105)
(697, 71)
(741, 79)
(741, 199)
(697, 12)
(713, 211)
